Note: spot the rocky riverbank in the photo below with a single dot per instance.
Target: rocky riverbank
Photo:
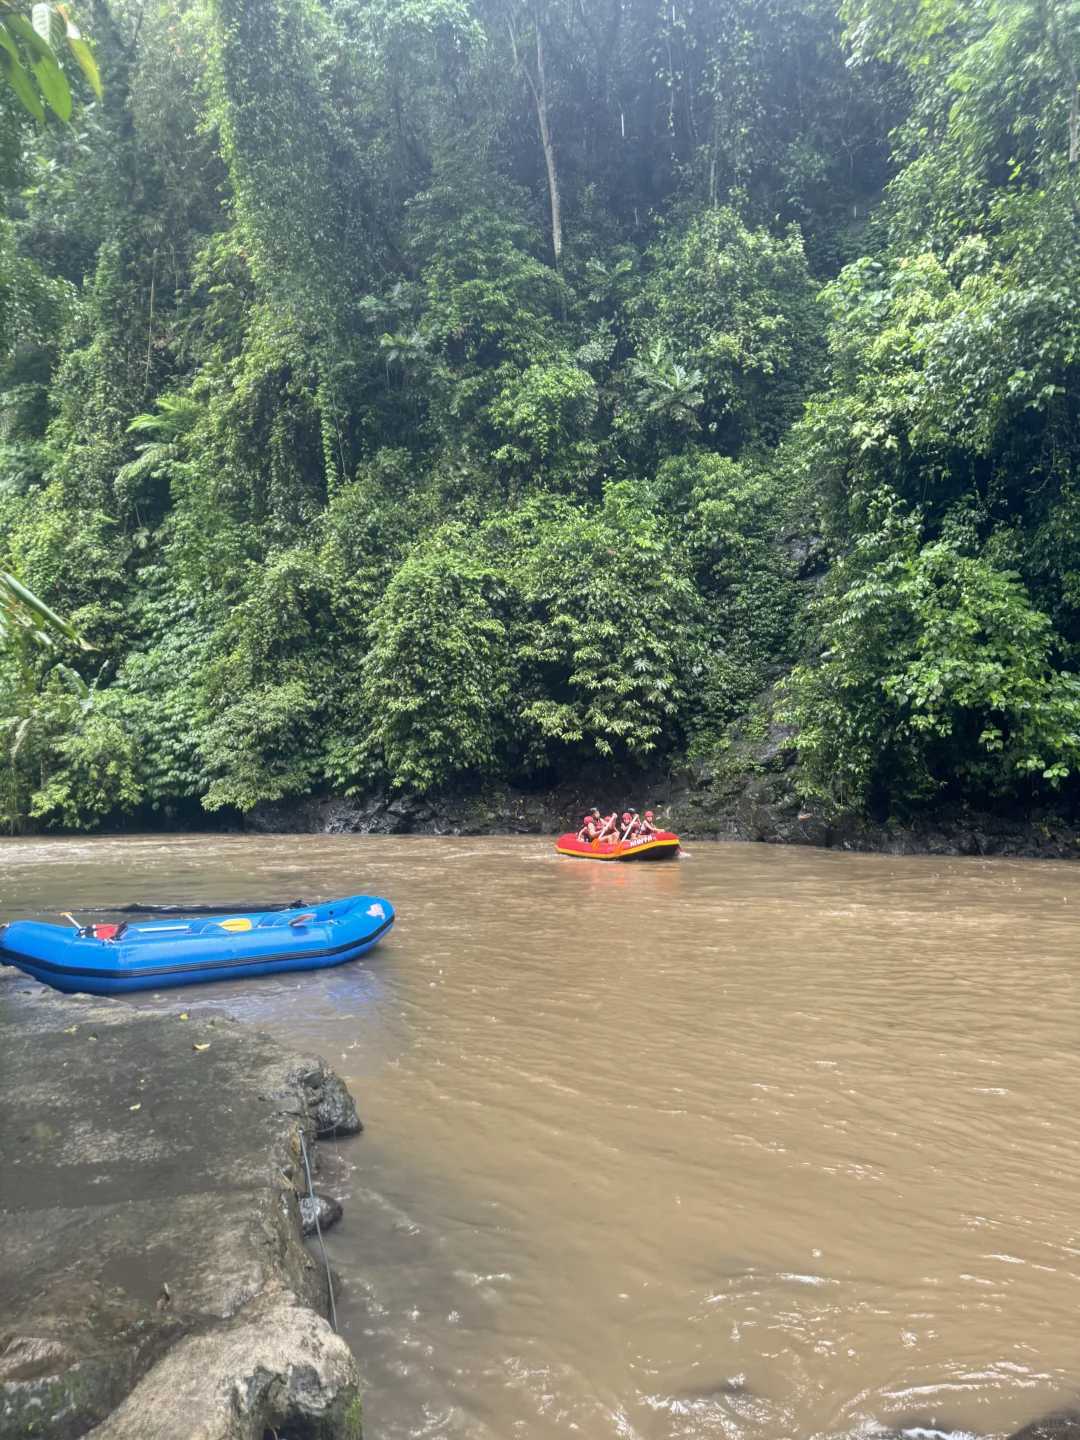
(748, 793)
(154, 1278)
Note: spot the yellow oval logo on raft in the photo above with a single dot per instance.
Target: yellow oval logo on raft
(238, 924)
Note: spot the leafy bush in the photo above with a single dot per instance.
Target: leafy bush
(604, 632)
(936, 673)
(733, 516)
(440, 673)
(736, 306)
(97, 768)
(546, 415)
(261, 745)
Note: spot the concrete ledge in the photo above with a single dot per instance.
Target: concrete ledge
(152, 1234)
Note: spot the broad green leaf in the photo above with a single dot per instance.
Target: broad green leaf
(85, 58)
(28, 599)
(12, 69)
(53, 85)
(43, 63)
(73, 680)
(21, 27)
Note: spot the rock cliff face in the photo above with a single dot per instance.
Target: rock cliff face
(154, 1279)
(750, 794)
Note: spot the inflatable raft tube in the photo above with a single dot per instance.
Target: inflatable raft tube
(153, 954)
(661, 846)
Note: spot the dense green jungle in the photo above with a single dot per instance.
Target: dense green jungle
(416, 393)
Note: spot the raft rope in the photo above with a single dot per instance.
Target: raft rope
(318, 1232)
(136, 909)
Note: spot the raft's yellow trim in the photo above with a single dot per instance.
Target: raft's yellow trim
(621, 854)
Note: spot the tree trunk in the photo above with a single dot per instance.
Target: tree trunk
(538, 89)
(540, 95)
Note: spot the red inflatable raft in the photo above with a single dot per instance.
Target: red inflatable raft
(661, 846)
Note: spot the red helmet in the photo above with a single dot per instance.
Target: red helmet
(586, 820)
(648, 815)
(625, 816)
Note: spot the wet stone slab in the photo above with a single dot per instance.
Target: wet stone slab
(152, 1231)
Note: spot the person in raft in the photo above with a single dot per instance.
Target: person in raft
(597, 827)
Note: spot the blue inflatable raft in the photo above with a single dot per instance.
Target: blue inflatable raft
(172, 950)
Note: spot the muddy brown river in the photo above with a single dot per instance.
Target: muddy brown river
(763, 1144)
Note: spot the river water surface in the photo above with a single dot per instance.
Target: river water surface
(764, 1144)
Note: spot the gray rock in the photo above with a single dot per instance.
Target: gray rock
(1062, 1425)
(274, 1366)
(403, 805)
(325, 1207)
(807, 554)
(146, 1205)
(328, 1101)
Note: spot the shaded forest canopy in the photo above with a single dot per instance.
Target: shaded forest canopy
(403, 392)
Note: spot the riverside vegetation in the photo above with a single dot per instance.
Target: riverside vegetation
(408, 393)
